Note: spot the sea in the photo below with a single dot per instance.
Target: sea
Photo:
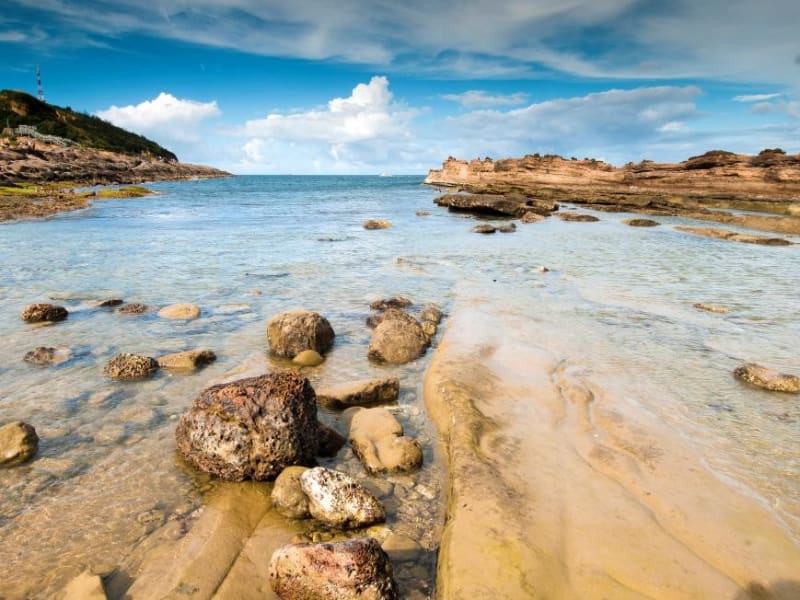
(615, 299)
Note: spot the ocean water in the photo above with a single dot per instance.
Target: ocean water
(617, 301)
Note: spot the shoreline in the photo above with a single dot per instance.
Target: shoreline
(559, 490)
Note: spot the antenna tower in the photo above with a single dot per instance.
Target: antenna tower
(39, 83)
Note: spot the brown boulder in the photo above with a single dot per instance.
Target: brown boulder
(360, 393)
(135, 308)
(767, 378)
(355, 569)
(484, 229)
(44, 356)
(432, 313)
(577, 217)
(398, 339)
(18, 443)
(183, 310)
(640, 222)
(130, 367)
(378, 441)
(189, 360)
(376, 224)
(251, 428)
(291, 332)
(393, 302)
(38, 313)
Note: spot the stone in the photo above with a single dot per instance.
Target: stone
(510, 228)
(368, 392)
(542, 269)
(356, 569)
(577, 217)
(401, 548)
(378, 441)
(337, 500)
(188, 360)
(44, 356)
(393, 302)
(429, 328)
(39, 313)
(308, 358)
(134, 308)
(289, 333)
(484, 229)
(641, 222)
(398, 339)
(110, 302)
(733, 236)
(130, 367)
(431, 312)
(183, 310)
(532, 217)
(714, 308)
(85, 586)
(376, 224)
(18, 443)
(423, 213)
(330, 441)
(768, 379)
(251, 428)
(288, 497)
(513, 205)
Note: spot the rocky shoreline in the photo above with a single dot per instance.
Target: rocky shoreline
(36, 179)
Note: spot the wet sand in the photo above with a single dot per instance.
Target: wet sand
(558, 489)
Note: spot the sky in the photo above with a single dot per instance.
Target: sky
(381, 86)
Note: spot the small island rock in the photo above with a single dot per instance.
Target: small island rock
(768, 379)
(484, 229)
(40, 313)
(356, 569)
(337, 500)
(251, 428)
(308, 358)
(18, 443)
(130, 367)
(291, 332)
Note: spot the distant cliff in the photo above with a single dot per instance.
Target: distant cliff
(768, 181)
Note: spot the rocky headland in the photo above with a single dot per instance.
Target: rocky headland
(697, 187)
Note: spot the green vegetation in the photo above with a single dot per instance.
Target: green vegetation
(19, 108)
(131, 191)
(20, 189)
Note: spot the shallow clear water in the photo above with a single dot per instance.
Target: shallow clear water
(618, 300)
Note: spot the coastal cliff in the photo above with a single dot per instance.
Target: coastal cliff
(769, 181)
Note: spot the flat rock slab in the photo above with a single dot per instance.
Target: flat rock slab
(368, 392)
(767, 379)
(512, 205)
(640, 222)
(577, 217)
(733, 236)
(189, 360)
(712, 308)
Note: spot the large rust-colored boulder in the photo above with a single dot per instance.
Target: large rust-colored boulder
(251, 428)
(40, 313)
(397, 339)
(18, 443)
(355, 569)
(292, 332)
(360, 393)
(338, 500)
(130, 367)
(768, 378)
(378, 441)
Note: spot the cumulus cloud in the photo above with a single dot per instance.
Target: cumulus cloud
(12, 36)
(790, 108)
(164, 117)
(480, 98)
(756, 97)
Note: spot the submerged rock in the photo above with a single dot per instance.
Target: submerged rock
(397, 339)
(338, 500)
(510, 228)
(39, 313)
(288, 497)
(532, 217)
(135, 308)
(361, 393)
(393, 302)
(714, 308)
(577, 217)
(429, 328)
(423, 213)
(376, 224)
(308, 358)
(130, 367)
(44, 356)
(251, 428)
(110, 302)
(18, 443)
(356, 569)
(291, 332)
(733, 236)
(189, 360)
(378, 441)
(641, 222)
(183, 310)
(768, 379)
(330, 441)
(432, 313)
(484, 229)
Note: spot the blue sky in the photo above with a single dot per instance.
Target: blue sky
(357, 86)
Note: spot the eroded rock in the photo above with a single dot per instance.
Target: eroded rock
(288, 497)
(641, 222)
(188, 360)
(432, 313)
(134, 308)
(251, 428)
(393, 302)
(368, 392)
(355, 569)
(18, 443)
(577, 217)
(378, 441)
(130, 367)
(181, 311)
(532, 217)
(484, 229)
(376, 224)
(45, 356)
(41, 313)
(338, 500)
(291, 332)
(767, 379)
(397, 339)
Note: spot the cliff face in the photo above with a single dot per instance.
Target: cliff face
(716, 178)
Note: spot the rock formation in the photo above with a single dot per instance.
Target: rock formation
(130, 367)
(767, 378)
(397, 339)
(38, 313)
(360, 393)
(337, 500)
(182, 310)
(188, 360)
(18, 443)
(292, 332)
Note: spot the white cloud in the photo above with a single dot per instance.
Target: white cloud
(790, 108)
(12, 36)
(480, 98)
(756, 97)
(163, 118)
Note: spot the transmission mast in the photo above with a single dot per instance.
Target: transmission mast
(39, 83)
